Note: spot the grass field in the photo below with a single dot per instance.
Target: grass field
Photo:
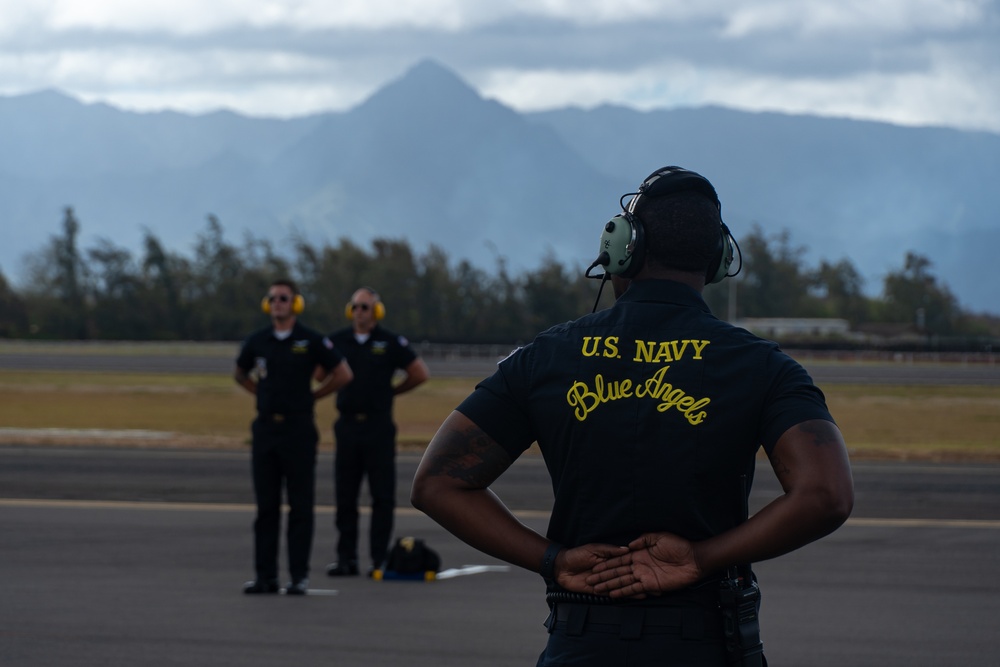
(162, 410)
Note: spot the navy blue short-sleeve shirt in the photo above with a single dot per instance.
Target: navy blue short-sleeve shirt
(648, 414)
(374, 363)
(285, 367)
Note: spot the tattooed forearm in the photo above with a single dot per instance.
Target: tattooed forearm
(469, 455)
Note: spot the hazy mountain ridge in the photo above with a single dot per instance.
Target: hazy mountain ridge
(427, 159)
(863, 190)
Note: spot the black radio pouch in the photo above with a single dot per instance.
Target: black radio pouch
(739, 601)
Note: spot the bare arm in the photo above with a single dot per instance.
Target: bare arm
(332, 381)
(244, 380)
(452, 487)
(810, 461)
(416, 374)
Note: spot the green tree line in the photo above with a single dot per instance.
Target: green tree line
(104, 292)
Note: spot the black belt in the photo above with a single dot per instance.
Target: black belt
(363, 416)
(631, 622)
(282, 417)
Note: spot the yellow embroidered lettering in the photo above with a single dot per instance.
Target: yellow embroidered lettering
(595, 345)
(659, 352)
(611, 347)
(644, 351)
(583, 399)
(653, 387)
(663, 354)
(699, 347)
(679, 352)
(695, 418)
(586, 400)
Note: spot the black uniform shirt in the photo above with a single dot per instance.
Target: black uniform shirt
(285, 367)
(374, 363)
(647, 413)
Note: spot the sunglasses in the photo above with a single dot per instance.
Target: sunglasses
(360, 306)
(284, 298)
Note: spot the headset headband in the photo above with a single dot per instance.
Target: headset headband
(671, 180)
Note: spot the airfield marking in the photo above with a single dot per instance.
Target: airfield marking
(989, 524)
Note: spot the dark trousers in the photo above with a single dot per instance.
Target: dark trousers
(608, 636)
(366, 447)
(284, 456)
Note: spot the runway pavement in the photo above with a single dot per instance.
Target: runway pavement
(115, 556)
(123, 557)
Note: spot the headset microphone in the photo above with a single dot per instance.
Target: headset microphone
(602, 260)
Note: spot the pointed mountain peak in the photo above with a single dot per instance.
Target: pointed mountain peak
(44, 99)
(428, 80)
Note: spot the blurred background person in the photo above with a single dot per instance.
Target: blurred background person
(364, 430)
(277, 364)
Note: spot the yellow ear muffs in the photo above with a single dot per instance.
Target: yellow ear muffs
(379, 310)
(298, 305)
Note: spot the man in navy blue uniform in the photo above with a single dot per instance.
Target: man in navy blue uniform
(277, 364)
(365, 432)
(649, 415)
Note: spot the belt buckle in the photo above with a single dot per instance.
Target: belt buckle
(361, 416)
(277, 418)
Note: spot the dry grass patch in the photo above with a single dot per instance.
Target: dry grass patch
(878, 421)
(198, 410)
(918, 422)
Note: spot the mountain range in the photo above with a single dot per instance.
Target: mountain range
(429, 160)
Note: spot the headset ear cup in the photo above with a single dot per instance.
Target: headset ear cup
(378, 310)
(638, 248)
(298, 305)
(718, 270)
(617, 240)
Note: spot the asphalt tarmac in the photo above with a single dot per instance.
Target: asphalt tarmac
(137, 556)
(114, 556)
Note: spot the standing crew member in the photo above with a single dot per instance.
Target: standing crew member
(649, 415)
(365, 431)
(277, 364)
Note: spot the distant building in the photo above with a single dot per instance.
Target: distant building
(797, 327)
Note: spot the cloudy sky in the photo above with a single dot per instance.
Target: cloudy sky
(913, 62)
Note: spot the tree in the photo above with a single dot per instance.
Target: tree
(552, 296)
(329, 276)
(773, 283)
(13, 312)
(116, 294)
(913, 295)
(164, 277)
(840, 287)
(224, 292)
(438, 294)
(57, 275)
(102, 293)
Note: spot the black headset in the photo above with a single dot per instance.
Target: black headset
(623, 242)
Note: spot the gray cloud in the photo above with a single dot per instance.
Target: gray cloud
(916, 62)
